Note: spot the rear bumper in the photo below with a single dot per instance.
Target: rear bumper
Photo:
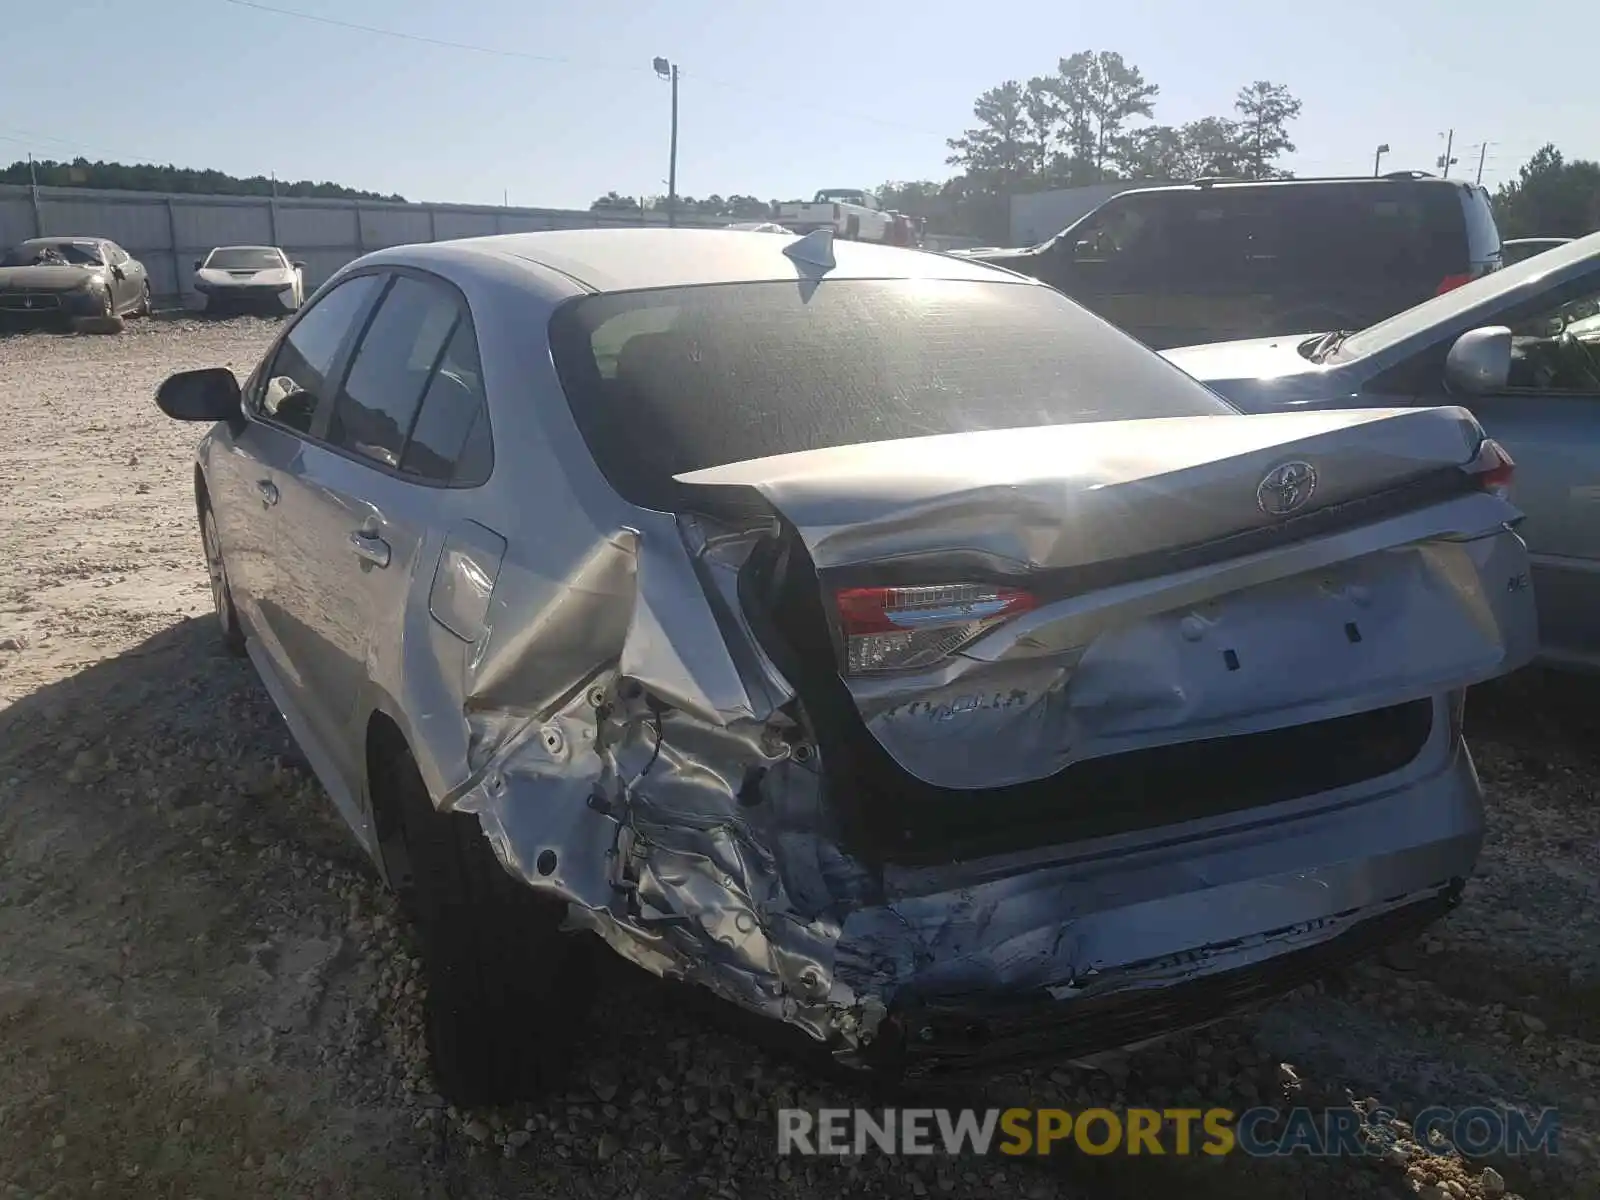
(953, 1035)
(1114, 944)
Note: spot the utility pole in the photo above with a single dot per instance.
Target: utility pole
(1378, 157)
(1483, 153)
(669, 70)
(33, 197)
(1449, 143)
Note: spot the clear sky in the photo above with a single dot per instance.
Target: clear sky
(777, 100)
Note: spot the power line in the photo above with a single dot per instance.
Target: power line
(497, 51)
(559, 60)
(30, 138)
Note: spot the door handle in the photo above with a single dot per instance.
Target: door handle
(369, 547)
(268, 490)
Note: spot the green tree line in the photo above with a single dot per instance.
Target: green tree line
(148, 177)
(1550, 197)
(1093, 120)
(1090, 121)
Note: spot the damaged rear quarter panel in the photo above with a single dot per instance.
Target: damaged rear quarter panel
(621, 739)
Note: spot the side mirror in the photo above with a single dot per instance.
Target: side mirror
(198, 263)
(118, 272)
(1479, 362)
(209, 394)
(298, 266)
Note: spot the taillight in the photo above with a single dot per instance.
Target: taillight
(905, 628)
(1450, 282)
(1493, 468)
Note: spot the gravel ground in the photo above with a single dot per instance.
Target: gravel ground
(204, 992)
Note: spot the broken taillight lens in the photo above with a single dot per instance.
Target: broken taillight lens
(1493, 468)
(905, 628)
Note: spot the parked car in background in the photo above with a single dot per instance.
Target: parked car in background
(761, 227)
(1216, 260)
(63, 278)
(253, 278)
(916, 659)
(1522, 349)
(1518, 249)
(848, 212)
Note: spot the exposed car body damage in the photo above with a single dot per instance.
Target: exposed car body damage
(1027, 695)
(678, 801)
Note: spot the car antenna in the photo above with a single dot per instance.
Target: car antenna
(815, 249)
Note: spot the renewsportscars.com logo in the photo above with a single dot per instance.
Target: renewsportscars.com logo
(1257, 1132)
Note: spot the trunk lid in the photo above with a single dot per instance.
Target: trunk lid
(1003, 604)
(1020, 501)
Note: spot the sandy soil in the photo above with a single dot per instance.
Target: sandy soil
(203, 991)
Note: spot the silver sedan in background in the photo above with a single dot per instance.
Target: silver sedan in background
(1521, 348)
(877, 639)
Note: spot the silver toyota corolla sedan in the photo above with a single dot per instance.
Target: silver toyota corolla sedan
(877, 639)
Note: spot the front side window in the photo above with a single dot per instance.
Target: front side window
(674, 380)
(297, 382)
(1121, 235)
(392, 368)
(1558, 350)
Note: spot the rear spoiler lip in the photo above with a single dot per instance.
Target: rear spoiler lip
(1055, 583)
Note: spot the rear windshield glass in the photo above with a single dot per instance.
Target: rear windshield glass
(244, 258)
(675, 380)
(1282, 235)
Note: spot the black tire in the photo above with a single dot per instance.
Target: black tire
(221, 593)
(507, 989)
(146, 308)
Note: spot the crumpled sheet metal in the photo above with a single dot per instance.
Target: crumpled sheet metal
(651, 787)
(667, 797)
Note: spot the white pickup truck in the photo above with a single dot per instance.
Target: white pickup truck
(849, 212)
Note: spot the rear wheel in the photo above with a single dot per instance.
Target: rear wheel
(506, 989)
(145, 308)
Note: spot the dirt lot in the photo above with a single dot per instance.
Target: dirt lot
(204, 993)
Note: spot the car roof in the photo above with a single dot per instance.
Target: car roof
(636, 259)
(1402, 179)
(55, 239)
(276, 249)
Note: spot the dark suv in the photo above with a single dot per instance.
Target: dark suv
(1217, 261)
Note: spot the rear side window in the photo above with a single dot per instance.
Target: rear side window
(675, 380)
(1297, 234)
(297, 383)
(450, 439)
(1483, 235)
(391, 369)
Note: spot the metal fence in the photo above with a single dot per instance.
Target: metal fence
(167, 232)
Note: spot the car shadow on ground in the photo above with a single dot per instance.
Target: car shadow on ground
(171, 755)
(1539, 711)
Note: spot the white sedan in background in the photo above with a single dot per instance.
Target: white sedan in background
(235, 278)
